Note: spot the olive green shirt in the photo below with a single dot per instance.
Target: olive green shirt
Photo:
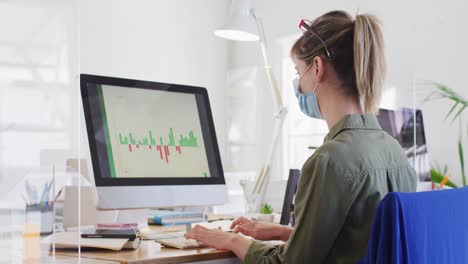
(340, 188)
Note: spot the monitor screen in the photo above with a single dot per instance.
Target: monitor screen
(407, 127)
(148, 133)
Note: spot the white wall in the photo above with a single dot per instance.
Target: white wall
(425, 40)
(38, 62)
(164, 41)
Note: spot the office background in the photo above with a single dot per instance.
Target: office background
(44, 46)
(172, 41)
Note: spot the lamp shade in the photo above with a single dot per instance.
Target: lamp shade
(241, 24)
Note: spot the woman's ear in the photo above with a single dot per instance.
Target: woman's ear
(319, 68)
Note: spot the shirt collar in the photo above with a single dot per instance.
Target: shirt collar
(365, 121)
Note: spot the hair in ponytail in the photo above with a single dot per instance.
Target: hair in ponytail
(357, 53)
(369, 60)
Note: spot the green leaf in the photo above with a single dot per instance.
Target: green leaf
(462, 160)
(459, 112)
(451, 110)
(459, 104)
(443, 91)
(436, 177)
(266, 209)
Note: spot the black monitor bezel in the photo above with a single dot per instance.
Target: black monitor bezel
(108, 181)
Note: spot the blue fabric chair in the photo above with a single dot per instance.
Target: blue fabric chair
(424, 227)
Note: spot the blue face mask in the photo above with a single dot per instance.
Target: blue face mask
(307, 102)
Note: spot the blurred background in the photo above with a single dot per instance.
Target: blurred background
(45, 45)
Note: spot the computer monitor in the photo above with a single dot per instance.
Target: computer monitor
(152, 144)
(407, 127)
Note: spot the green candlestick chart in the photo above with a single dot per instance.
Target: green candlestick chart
(149, 140)
(187, 141)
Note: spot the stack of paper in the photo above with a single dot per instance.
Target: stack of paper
(70, 240)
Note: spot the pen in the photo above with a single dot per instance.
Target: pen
(58, 194)
(46, 192)
(49, 187)
(43, 194)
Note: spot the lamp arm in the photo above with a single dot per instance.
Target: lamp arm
(262, 180)
(276, 93)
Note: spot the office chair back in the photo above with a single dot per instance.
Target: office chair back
(425, 227)
(288, 204)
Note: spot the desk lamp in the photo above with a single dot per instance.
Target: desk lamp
(243, 25)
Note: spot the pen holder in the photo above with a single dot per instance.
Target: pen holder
(41, 214)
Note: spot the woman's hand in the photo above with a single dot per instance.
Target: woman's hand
(261, 231)
(214, 238)
(219, 239)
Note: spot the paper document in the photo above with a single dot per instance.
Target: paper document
(70, 240)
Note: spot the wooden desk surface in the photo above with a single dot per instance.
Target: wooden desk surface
(151, 252)
(69, 260)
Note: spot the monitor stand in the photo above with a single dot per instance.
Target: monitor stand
(88, 213)
(139, 216)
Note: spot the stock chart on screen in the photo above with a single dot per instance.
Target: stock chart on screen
(152, 133)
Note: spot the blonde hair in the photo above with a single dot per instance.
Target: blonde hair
(356, 50)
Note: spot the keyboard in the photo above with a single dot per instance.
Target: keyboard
(180, 243)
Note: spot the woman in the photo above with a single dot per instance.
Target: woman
(340, 63)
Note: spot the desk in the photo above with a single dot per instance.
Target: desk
(151, 252)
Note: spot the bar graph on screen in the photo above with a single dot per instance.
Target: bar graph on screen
(149, 134)
(149, 143)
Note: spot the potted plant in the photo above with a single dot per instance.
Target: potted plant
(266, 214)
(459, 105)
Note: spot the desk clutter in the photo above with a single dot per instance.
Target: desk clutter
(168, 217)
(119, 236)
(151, 243)
(39, 201)
(103, 236)
(72, 240)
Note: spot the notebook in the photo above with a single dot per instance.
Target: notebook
(69, 240)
